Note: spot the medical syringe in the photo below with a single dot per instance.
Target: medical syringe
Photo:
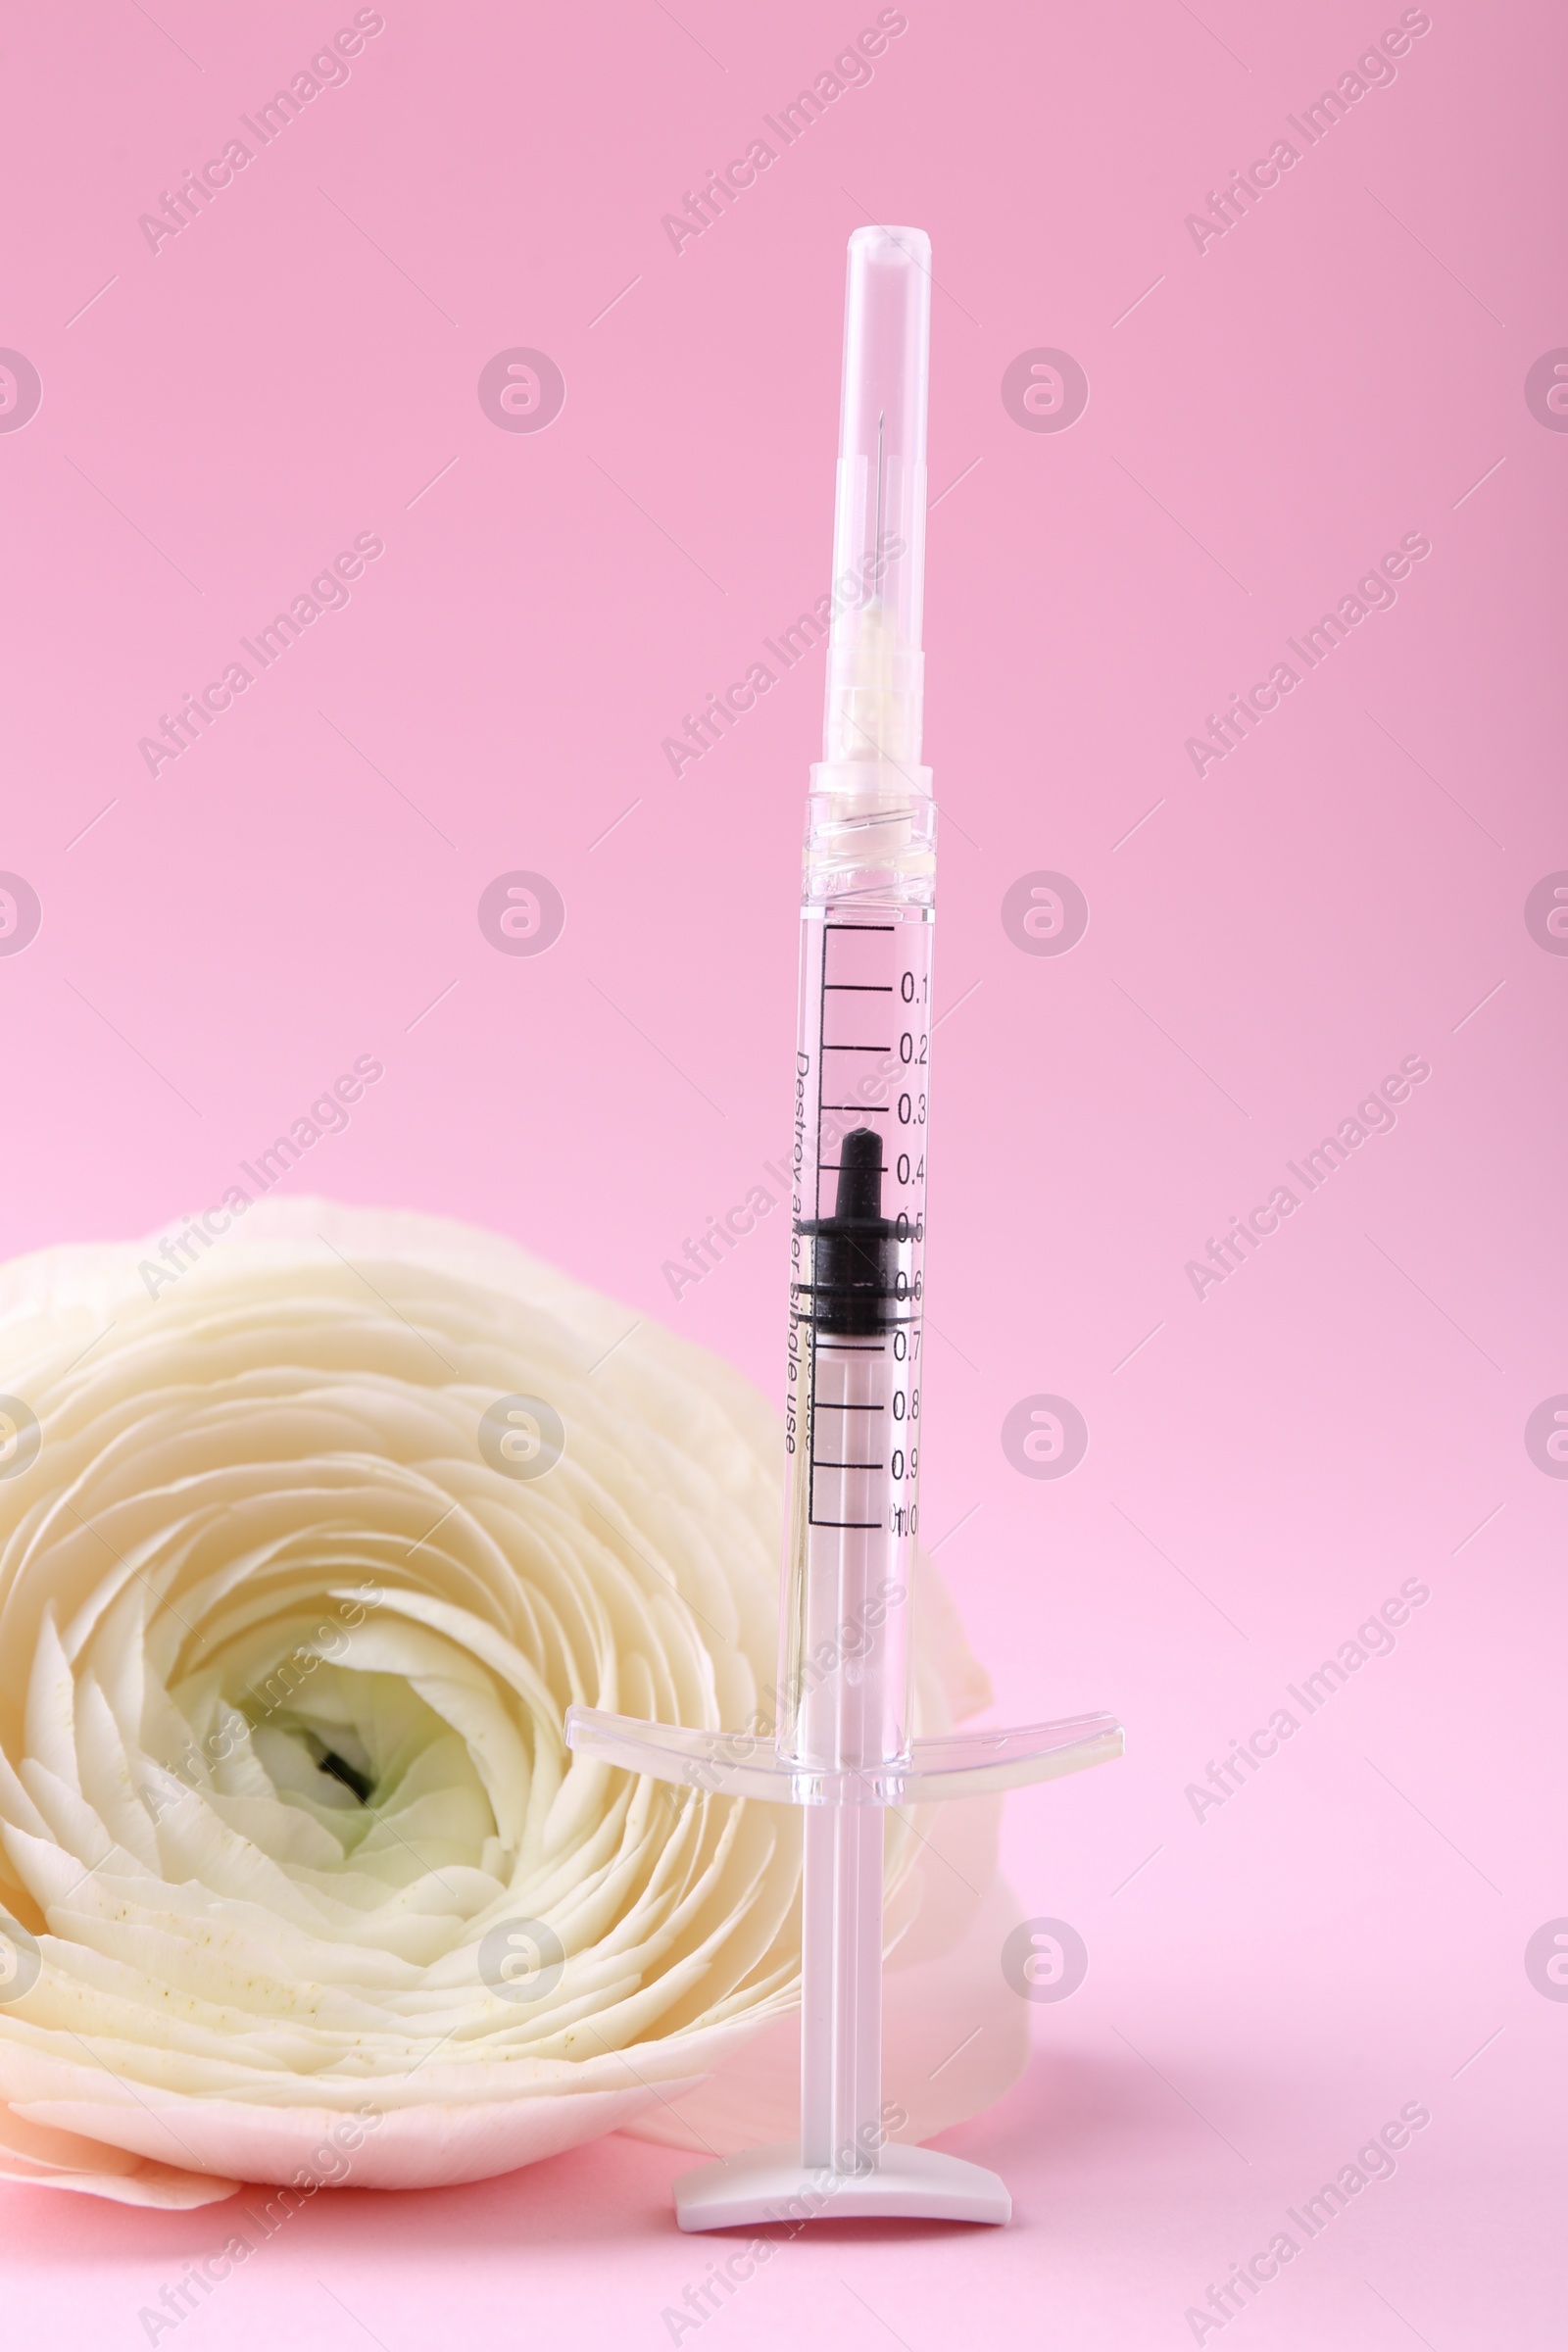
(842, 1743)
(862, 1070)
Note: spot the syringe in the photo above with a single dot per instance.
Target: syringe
(863, 1058)
(842, 1743)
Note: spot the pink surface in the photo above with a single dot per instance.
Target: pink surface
(1270, 412)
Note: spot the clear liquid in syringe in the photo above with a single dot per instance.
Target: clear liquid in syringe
(855, 1373)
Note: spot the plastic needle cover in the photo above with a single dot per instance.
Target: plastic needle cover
(874, 657)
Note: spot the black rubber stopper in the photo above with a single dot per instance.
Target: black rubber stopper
(855, 1266)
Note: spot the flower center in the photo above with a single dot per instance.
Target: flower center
(351, 1776)
(393, 1784)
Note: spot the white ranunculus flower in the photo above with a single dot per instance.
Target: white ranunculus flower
(296, 1585)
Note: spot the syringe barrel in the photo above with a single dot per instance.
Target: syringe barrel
(875, 665)
(857, 1280)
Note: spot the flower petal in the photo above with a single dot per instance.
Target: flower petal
(301, 1878)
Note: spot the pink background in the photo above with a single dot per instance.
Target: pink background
(1345, 366)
